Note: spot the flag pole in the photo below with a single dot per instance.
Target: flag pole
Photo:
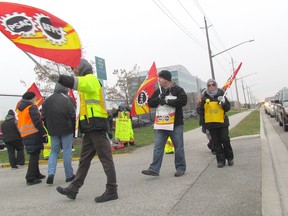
(39, 65)
(159, 87)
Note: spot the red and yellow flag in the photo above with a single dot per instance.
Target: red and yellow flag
(232, 78)
(38, 32)
(39, 97)
(71, 94)
(140, 102)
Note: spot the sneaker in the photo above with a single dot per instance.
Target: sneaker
(230, 162)
(107, 196)
(179, 173)
(220, 164)
(132, 143)
(40, 176)
(70, 179)
(14, 167)
(34, 181)
(149, 172)
(65, 191)
(50, 179)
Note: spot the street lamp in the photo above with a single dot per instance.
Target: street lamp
(243, 86)
(210, 52)
(249, 93)
(212, 56)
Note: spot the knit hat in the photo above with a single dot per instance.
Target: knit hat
(85, 68)
(213, 81)
(60, 89)
(28, 95)
(165, 74)
(11, 112)
(122, 104)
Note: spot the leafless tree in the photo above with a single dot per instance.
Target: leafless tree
(124, 89)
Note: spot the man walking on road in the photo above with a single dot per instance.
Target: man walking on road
(59, 113)
(94, 124)
(168, 101)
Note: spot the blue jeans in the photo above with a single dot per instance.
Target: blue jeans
(64, 141)
(161, 137)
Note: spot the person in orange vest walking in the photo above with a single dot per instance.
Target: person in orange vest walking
(33, 135)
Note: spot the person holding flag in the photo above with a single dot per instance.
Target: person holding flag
(212, 111)
(94, 124)
(168, 100)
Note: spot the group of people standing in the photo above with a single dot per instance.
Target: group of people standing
(59, 114)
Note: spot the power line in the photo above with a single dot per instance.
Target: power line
(178, 23)
(189, 14)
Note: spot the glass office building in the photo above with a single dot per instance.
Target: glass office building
(191, 84)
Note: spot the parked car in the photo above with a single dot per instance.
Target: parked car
(136, 123)
(282, 104)
(276, 107)
(269, 106)
(187, 114)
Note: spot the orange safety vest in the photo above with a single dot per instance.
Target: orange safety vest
(25, 123)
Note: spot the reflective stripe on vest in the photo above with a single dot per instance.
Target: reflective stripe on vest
(92, 101)
(91, 98)
(25, 123)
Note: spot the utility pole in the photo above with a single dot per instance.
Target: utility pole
(238, 103)
(209, 50)
(243, 93)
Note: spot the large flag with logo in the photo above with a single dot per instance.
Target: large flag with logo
(231, 78)
(39, 97)
(38, 32)
(140, 102)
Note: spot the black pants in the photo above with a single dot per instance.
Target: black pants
(33, 167)
(15, 151)
(95, 141)
(222, 145)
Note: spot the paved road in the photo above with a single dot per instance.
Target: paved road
(253, 186)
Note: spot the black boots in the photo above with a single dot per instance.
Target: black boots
(70, 179)
(34, 181)
(107, 196)
(65, 191)
(221, 164)
(50, 179)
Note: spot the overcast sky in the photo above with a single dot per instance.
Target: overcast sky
(130, 32)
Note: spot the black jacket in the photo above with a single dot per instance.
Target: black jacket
(59, 113)
(10, 130)
(201, 111)
(33, 142)
(178, 103)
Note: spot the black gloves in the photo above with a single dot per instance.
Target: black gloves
(203, 130)
(110, 135)
(162, 101)
(45, 138)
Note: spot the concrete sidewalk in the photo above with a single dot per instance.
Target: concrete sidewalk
(203, 190)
